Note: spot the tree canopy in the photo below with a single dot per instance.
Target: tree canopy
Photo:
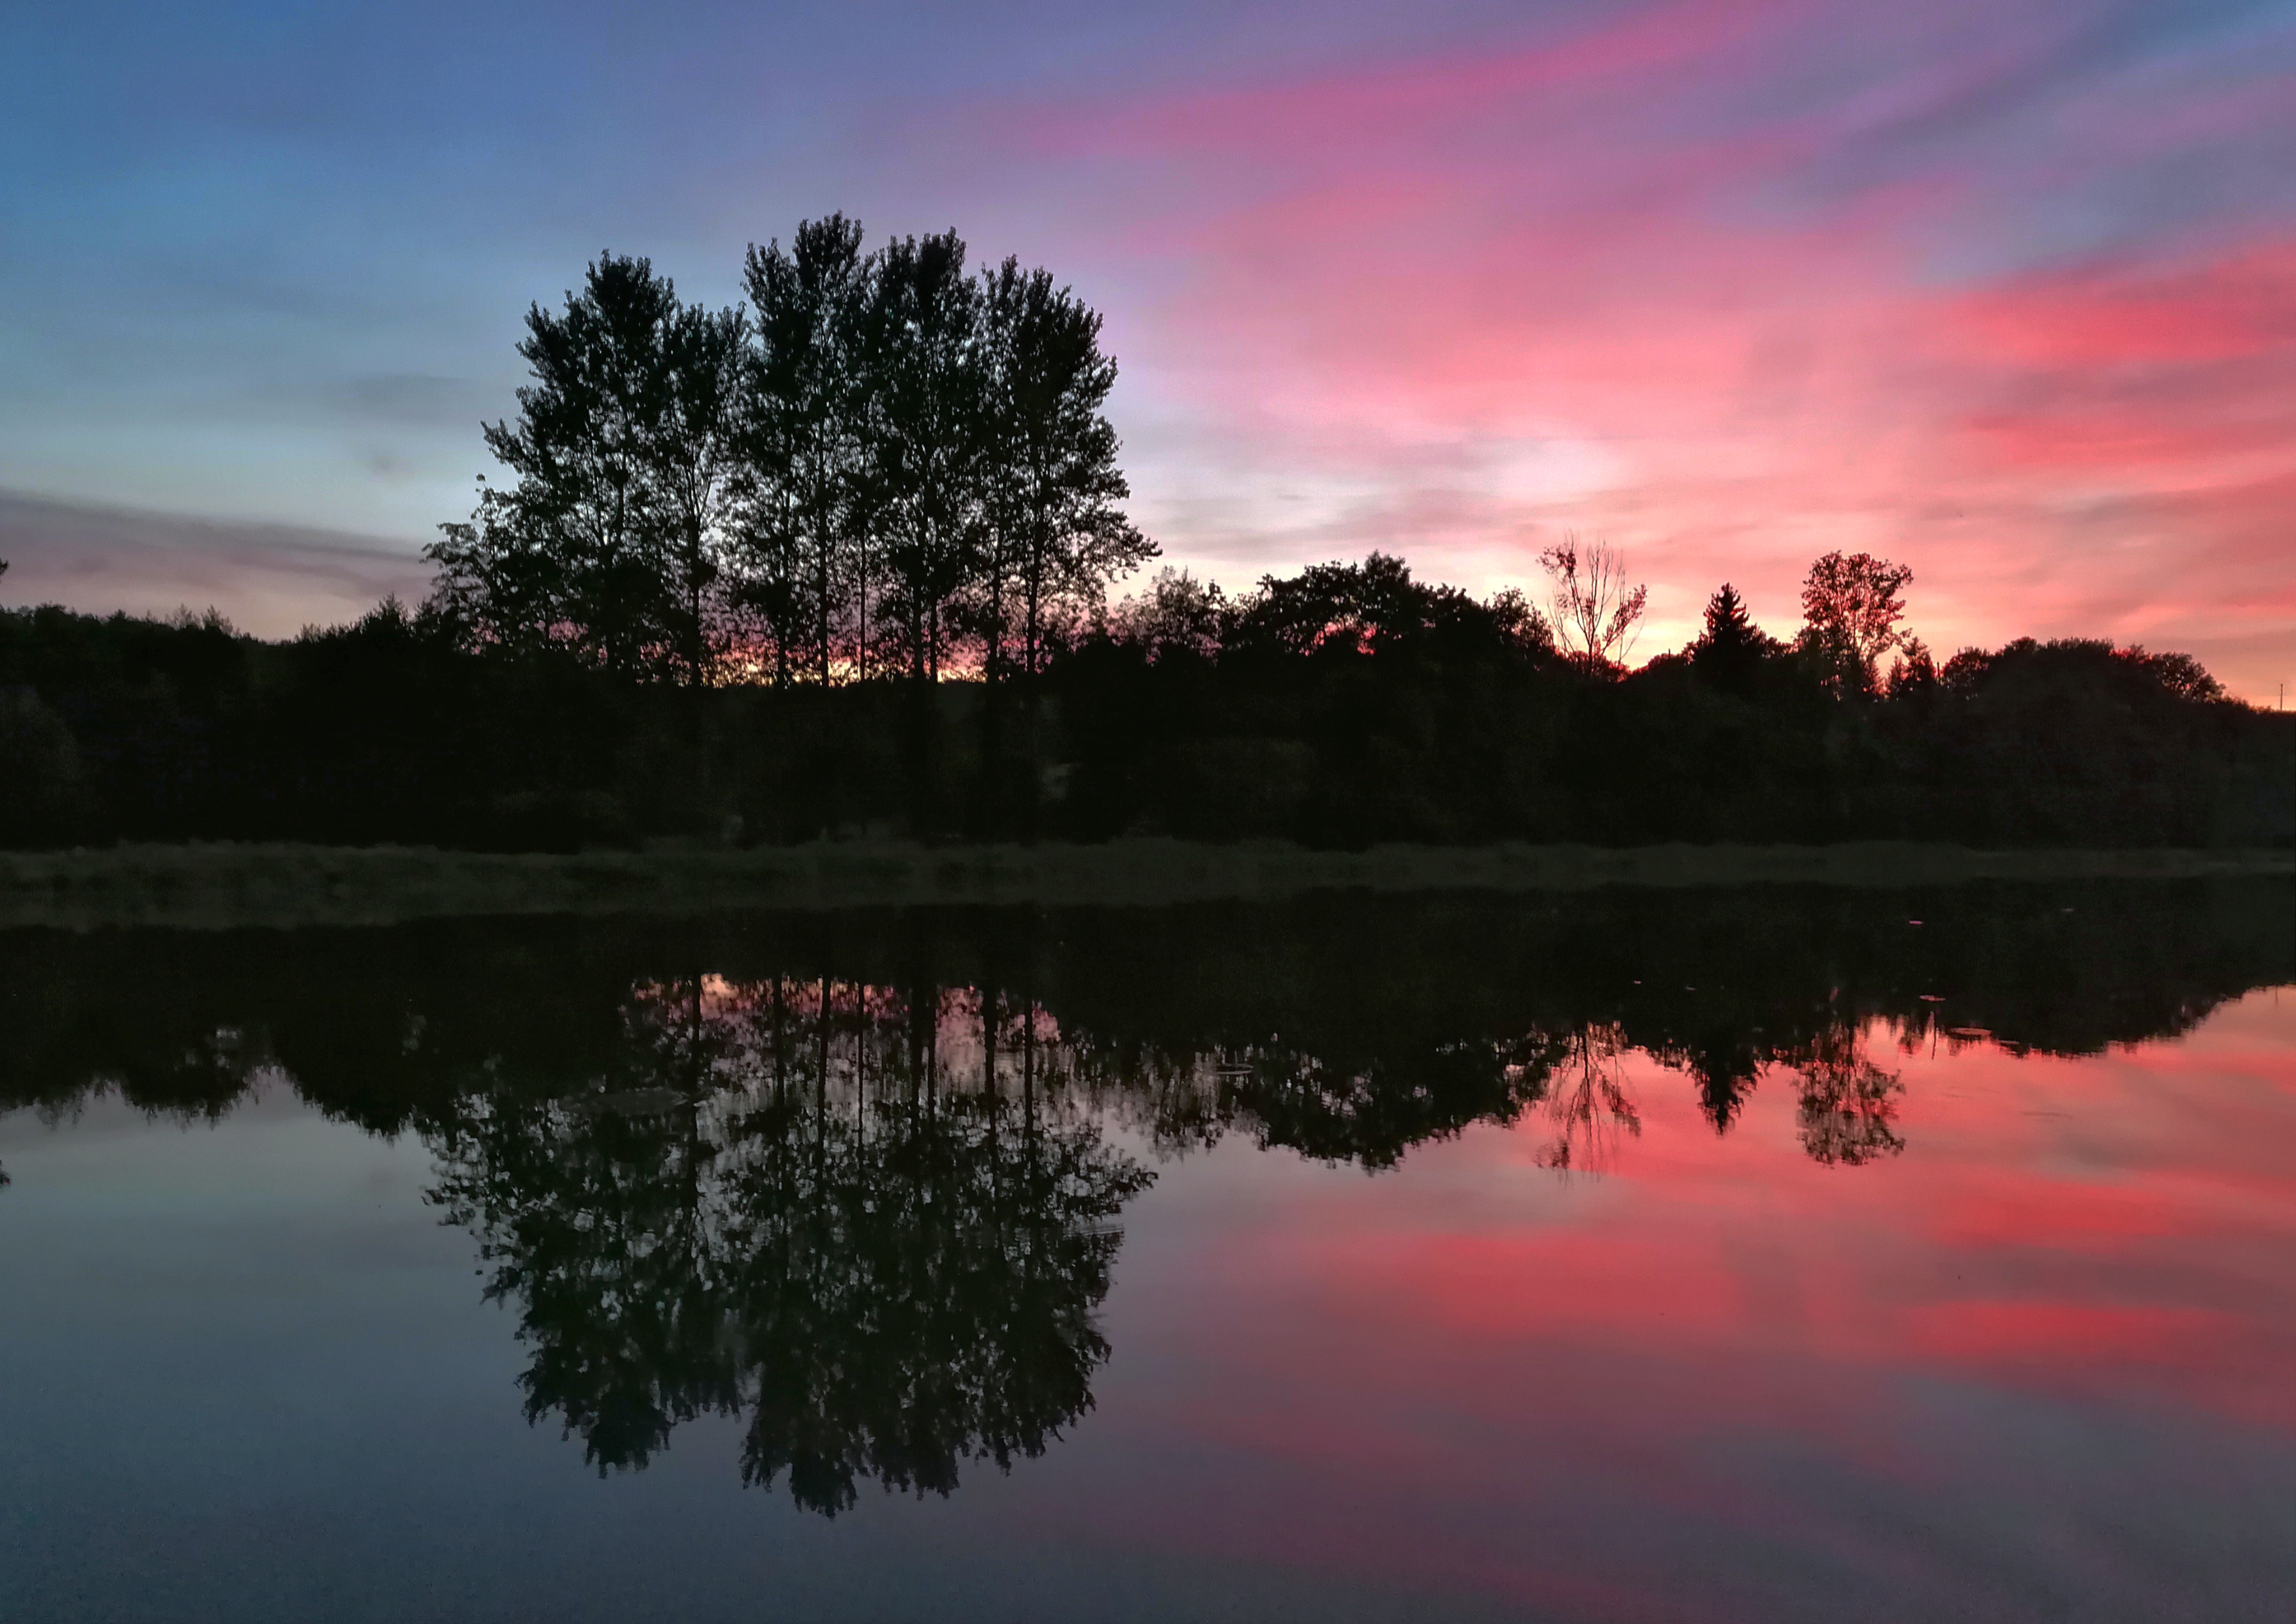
(882, 463)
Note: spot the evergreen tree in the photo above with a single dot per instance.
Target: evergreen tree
(1731, 650)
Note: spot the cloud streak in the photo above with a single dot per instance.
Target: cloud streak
(270, 580)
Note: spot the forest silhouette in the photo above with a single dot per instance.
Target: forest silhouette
(857, 1181)
(844, 560)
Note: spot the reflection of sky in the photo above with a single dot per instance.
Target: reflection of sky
(2007, 291)
(2034, 1366)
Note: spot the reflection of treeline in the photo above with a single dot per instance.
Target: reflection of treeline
(849, 1180)
(1394, 1018)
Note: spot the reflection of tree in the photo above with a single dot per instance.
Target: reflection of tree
(1723, 1063)
(1586, 1100)
(783, 1209)
(1394, 1020)
(1371, 1109)
(1848, 1103)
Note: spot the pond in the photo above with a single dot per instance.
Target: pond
(1753, 1254)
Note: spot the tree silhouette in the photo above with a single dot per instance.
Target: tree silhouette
(1913, 671)
(696, 458)
(1851, 603)
(1178, 614)
(610, 543)
(1595, 611)
(806, 560)
(1730, 650)
(1057, 536)
(1377, 608)
(926, 441)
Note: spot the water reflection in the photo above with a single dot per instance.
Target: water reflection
(793, 1203)
(857, 1181)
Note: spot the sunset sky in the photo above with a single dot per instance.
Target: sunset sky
(2004, 291)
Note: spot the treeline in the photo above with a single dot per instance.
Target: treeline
(1340, 706)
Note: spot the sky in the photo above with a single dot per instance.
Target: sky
(2000, 289)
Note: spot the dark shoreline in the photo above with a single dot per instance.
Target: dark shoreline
(226, 886)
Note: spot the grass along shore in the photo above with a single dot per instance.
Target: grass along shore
(224, 886)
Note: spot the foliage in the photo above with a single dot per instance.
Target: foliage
(1731, 652)
(612, 543)
(1852, 604)
(1339, 706)
(881, 464)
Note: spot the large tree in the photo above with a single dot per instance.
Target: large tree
(608, 543)
(804, 553)
(1056, 536)
(926, 444)
(696, 463)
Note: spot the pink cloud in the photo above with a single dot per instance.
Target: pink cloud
(1668, 281)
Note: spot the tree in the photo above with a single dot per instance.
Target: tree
(609, 542)
(1377, 607)
(1731, 650)
(1056, 536)
(1852, 604)
(1177, 614)
(1595, 611)
(924, 390)
(803, 559)
(1913, 671)
(695, 460)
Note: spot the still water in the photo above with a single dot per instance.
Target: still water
(1762, 1255)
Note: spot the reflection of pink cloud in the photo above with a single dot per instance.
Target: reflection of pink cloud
(1723, 1360)
(1677, 279)
(2045, 1334)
